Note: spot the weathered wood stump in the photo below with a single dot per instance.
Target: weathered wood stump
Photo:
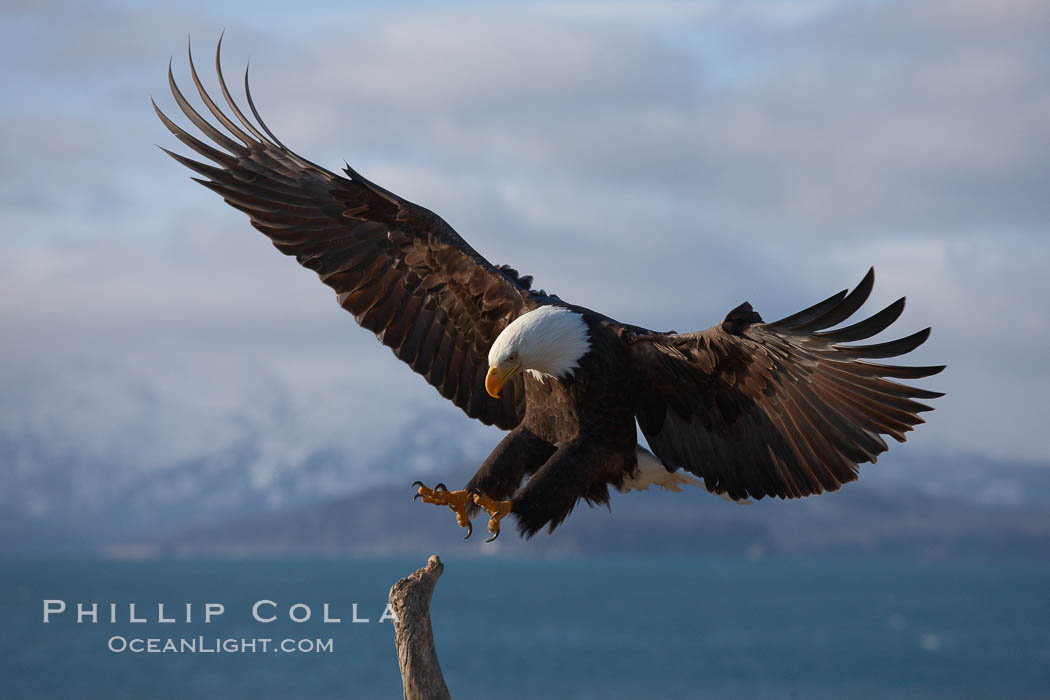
(410, 602)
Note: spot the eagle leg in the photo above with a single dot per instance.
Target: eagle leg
(456, 500)
(497, 511)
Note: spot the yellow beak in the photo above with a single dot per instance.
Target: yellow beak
(495, 380)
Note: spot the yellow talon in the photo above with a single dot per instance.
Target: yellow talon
(456, 500)
(497, 511)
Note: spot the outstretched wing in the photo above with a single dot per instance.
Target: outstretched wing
(401, 271)
(778, 409)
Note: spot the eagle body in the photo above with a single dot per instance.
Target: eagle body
(745, 409)
(579, 430)
(595, 398)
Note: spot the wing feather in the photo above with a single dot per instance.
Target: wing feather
(844, 309)
(401, 271)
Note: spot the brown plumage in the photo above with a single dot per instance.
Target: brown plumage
(754, 409)
(779, 409)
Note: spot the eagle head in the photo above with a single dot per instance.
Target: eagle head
(549, 340)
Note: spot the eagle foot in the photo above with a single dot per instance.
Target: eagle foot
(441, 496)
(497, 511)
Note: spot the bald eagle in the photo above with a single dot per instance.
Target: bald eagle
(745, 409)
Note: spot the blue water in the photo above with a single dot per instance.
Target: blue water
(584, 629)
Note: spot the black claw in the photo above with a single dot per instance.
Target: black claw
(470, 531)
(494, 536)
(441, 487)
(417, 497)
(418, 483)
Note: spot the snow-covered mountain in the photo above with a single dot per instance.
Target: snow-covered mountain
(55, 488)
(109, 453)
(94, 451)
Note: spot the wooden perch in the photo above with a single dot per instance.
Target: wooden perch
(413, 636)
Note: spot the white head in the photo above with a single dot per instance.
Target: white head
(548, 340)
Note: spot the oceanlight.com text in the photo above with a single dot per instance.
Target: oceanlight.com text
(218, 645)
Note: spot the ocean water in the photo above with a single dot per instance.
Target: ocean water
(639, 628)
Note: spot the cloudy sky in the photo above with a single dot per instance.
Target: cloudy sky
(660, 162)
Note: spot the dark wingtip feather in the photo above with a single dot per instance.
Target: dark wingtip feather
(806, 315)
(172, 127)
(196, 166)
(843, 310)
(214, 108)
(892, 348)
(901, 371)
(918, 393)
(251, 105)
(868, 327)
(201, 123)
(232, 104)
